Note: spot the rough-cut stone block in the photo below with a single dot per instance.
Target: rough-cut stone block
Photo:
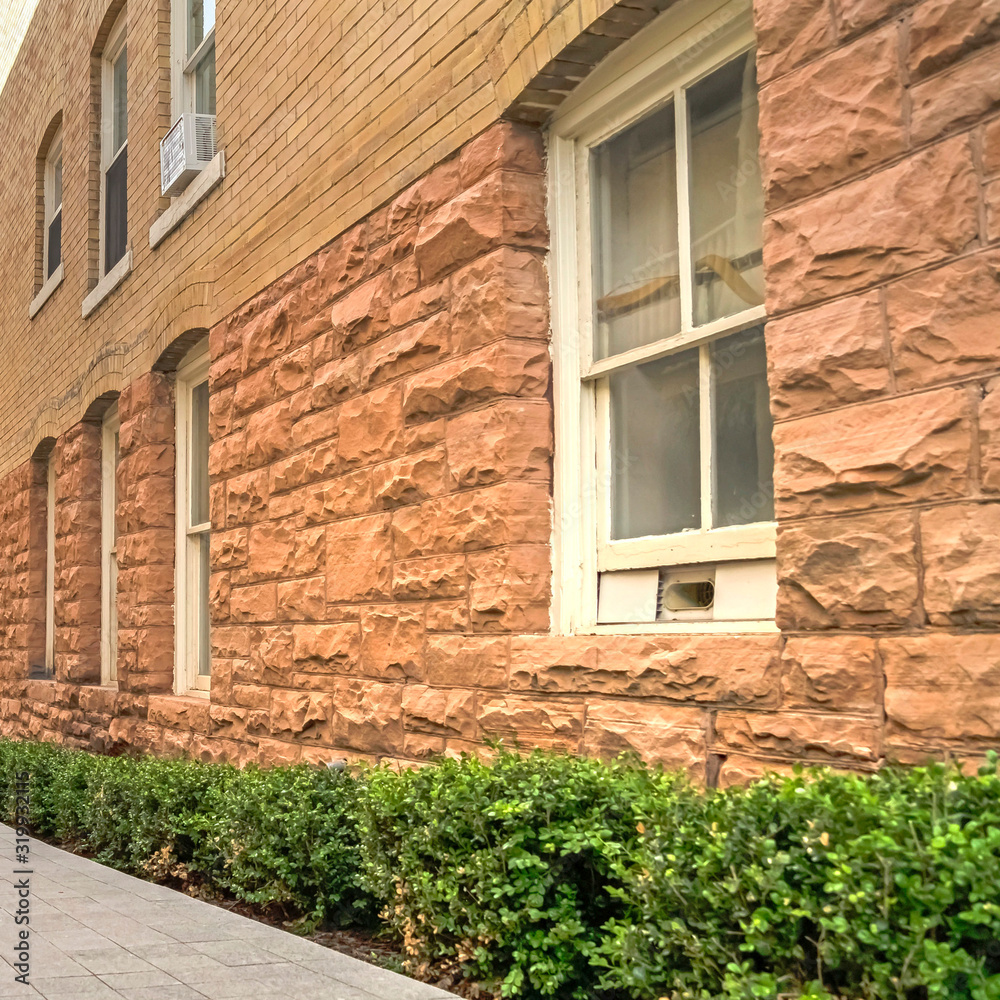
(505, 294)
(943, 322)
(271, 550)
(361, 316)
(411, 349)
(369, 426)
(302, 600)
(798, 735)
(508, 513)
(343, 497)
(837, 673)
(789, 32)
(848, 572)
(473, 661)
(667, 733)
(509, 589)
(832, 118)
(828, 356)
(506, 207)
(440, 712)
(511, 440)
(326, 647)
(433, 577)
(253, 604)
(944, 31)
(358, 559)
(941, 688)
(719, 669)
(508, 368)
(854, 16)
(503, 145)
(411, 478)
(738, 770)
(915, 213)
(958, 97)
(989, 438)
(367, 716)
(897, 451)
(531, 722)
(392, 645)
(300, 715)
(960, 549)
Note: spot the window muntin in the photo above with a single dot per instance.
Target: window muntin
(52, 251)
(194, 664)
(664, 455)
(110, 450)
(114, 148)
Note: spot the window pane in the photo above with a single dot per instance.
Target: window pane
(744, 452)
(57, 183)
(201, 20)
(202, 611)
(199, 454)
(727, 200)
(655, 462)
(204, 84)
(116, 210)
(119, 110)
(634, 207)
(55, 245)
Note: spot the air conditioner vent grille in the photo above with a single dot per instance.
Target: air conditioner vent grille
(185, 151)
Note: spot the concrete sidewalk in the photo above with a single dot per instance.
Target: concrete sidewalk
(96, 934)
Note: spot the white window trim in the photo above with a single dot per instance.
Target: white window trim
(187, 681)
(107, 284)
(642, 74)
(182, 66)
(50, 567)
(116, 40)
(109, 549)
(45, 292)
(184, 204)
(54, 154)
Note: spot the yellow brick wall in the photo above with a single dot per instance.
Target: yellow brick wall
(326, 109)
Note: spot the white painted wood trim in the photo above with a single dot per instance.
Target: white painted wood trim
(45, 292)
(108, 283)
(50, 565)
(109, 499)
(684, 628)
(196, 192)
(192, 372)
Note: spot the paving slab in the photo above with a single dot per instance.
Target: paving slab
(98, 934)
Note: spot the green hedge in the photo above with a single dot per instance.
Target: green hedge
(555, 876)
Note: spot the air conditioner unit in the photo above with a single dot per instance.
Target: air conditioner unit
(185, 151)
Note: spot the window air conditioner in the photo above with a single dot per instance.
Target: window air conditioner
(185, 151)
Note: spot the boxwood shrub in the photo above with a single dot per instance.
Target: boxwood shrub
(546, 875)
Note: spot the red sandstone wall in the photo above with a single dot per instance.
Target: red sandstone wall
(381, 424)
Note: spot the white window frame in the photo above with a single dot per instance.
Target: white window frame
(53, 157)
(50, 567)
(116, 42)
(680, 47)
(187, 680)
(183, 66)
(109, 548)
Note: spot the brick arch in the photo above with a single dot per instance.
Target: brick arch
(552, 61)
(184, 320)
(171, 356)
(94, 414)
(43, 449)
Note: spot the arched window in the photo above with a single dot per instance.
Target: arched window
(53, 183)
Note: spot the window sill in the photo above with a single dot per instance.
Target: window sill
(681, 628)
(46, 292)
(108, 284)
(188, 201)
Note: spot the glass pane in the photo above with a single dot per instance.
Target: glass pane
(204, 84)
(202, 611)
(744, 452)
(727, 198)
(119, 110)
(55, 245)
(57, 184)
(116, 210)
(199, 454)
(201, 20)
(655, 462)
(635, 270)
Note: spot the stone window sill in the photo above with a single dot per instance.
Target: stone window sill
(45, 293)
(108, 284)
(193, 195)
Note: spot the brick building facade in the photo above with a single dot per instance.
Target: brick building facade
(435, 407)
